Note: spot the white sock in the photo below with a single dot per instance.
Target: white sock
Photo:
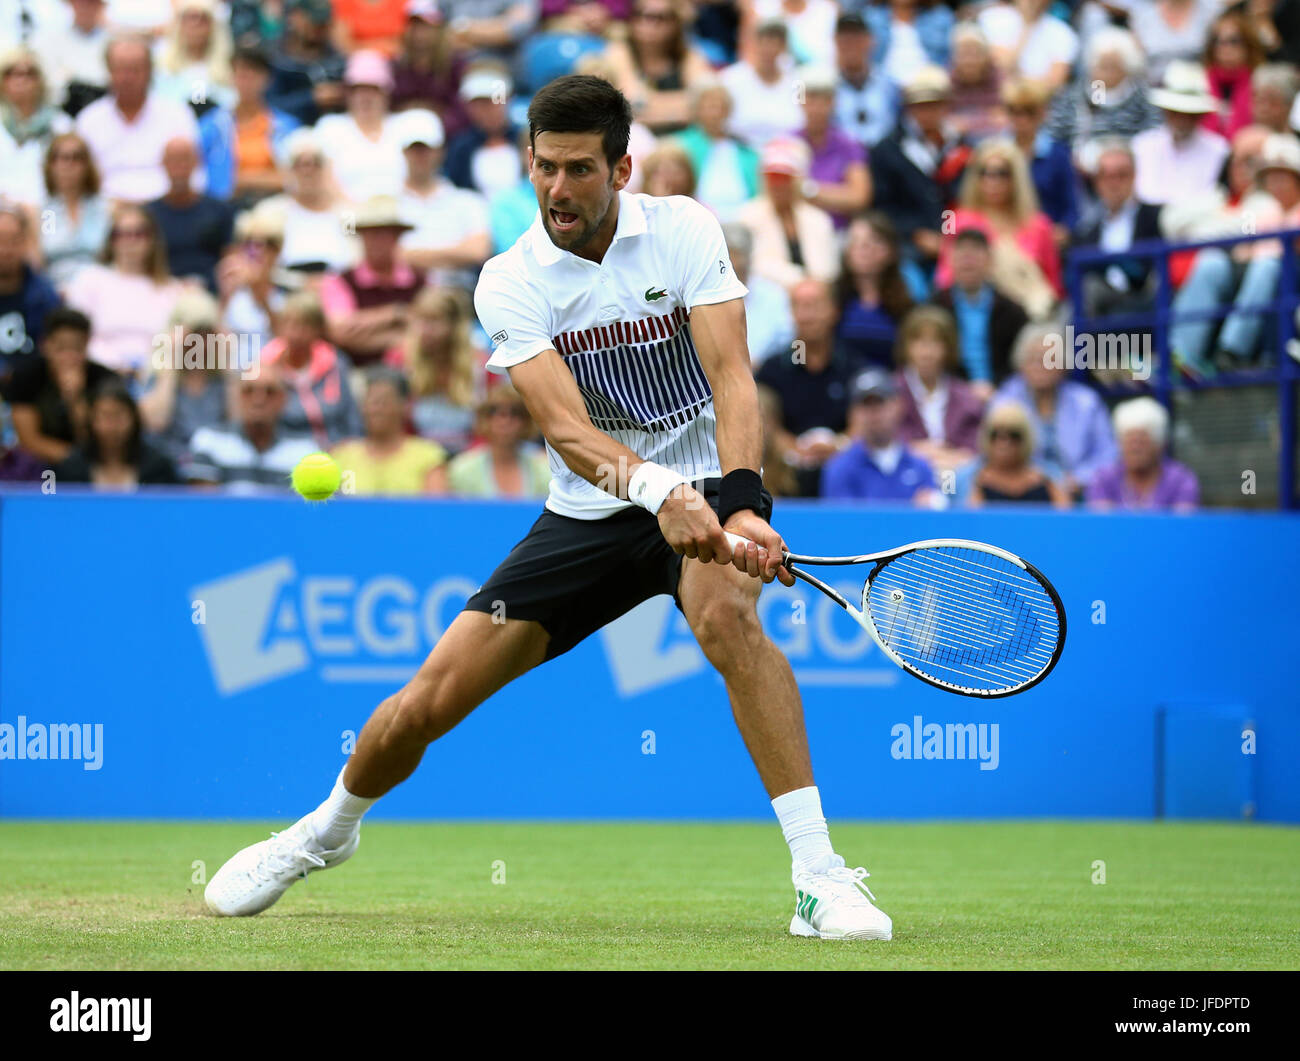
(335, 819)
(800, 814)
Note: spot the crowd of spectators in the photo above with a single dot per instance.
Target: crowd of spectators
(311, 186)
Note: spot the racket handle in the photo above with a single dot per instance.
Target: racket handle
(735, 539)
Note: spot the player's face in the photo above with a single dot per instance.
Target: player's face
(575, 187)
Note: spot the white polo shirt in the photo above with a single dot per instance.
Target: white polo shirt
(622, 329)
(129, 154)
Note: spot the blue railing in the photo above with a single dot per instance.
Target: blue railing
(1284, 372)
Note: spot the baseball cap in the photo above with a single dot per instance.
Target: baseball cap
(486, 83)
(368, 67)
(420, 126)
(872, 383)
(424, 9)
(818, 78)
(928, 85)
(784, 155)
(850, 23)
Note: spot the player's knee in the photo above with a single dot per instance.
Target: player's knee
(727, 626)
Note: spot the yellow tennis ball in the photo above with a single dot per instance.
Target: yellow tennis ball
(316, 477)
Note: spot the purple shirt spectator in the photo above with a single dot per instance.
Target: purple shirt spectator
(1176, 488)
(1078, 441)
(832, 159)
(962, 413)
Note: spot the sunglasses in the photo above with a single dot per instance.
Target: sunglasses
(1228, 40)
(656, 16)
(1022, 109)
(131, 233)
(21, 71)
(314, 161)
(1011, 434)
(999, 173)
(68, 156)
(266, 389)
(517, 411)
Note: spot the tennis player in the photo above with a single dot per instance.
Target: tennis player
(621, 323)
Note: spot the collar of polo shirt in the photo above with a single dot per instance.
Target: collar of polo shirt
(631, 222)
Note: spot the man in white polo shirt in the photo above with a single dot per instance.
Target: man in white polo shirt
(622, 325)
(128, 129)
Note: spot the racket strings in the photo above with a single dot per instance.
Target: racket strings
(965, 617)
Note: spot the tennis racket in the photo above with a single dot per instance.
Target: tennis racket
(962, 616)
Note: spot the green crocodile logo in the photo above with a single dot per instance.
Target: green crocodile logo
(651, 295)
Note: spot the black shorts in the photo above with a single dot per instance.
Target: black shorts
(574, 576)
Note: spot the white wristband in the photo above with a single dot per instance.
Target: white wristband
(651, 484)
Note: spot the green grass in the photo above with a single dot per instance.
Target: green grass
(116, 895)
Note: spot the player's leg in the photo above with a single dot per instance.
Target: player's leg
(720, 604)
(474, 658)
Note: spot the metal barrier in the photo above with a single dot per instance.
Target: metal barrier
(1285, 371)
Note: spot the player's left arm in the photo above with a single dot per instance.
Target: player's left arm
(718, 330)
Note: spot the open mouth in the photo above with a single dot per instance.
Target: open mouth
(562, 221)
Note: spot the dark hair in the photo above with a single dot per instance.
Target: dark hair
(580, 103)
(115, 390)
(895, 298)
(65, 317)
(252, 55)
(378, 375)
(972, 235)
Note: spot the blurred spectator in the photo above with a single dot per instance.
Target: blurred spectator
(184, 394)
(866, 100)
(255, 450)
(1071, 431)
(1008, 471)
(668, 171)
(778, 477)
(505, 464)
(29, 121)
(451, 233)
(997, 196)
(315, 374)
(129, 294)
(988, 322)
(195, 228)
(511, 210)
(838, 179)
(128, 129)
(427, 71)
(763, 94)
(386, 460)
(1232, 53)
(976, 109)
(147, 18)
(307, 71)
(76, 218)
(366, 306)
(809, 24)
(242, 140)
(792, 238)
(1171, 30)
(251, 298)
(876, 465)
(72, 55)
(1028, 40)
(769, 328)
(1117, 221)
(657, 66)
(915, 169)
(447, 372)
(362, 144)
(1247, 277)
(26, 296)
(1109, 99)
(909, 35)
(812, 382)
(726, 169)
(48, 393)
(1179, 159)
(316, 217)
(194, 60)
(374, 25)
(1277, 25)
(591, 18)
(940, 413)
(114, 454)
(1051, 165)
(873, 294)
(494, 27)
(1143, 477)
(484, 158)
(1273, 96)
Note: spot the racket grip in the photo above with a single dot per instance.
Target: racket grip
(735, 539)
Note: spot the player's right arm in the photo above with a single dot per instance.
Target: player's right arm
(551, 394)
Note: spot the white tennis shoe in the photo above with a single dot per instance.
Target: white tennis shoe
(257, 876)
(834, 903)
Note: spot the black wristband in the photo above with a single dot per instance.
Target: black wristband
(741, 489)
